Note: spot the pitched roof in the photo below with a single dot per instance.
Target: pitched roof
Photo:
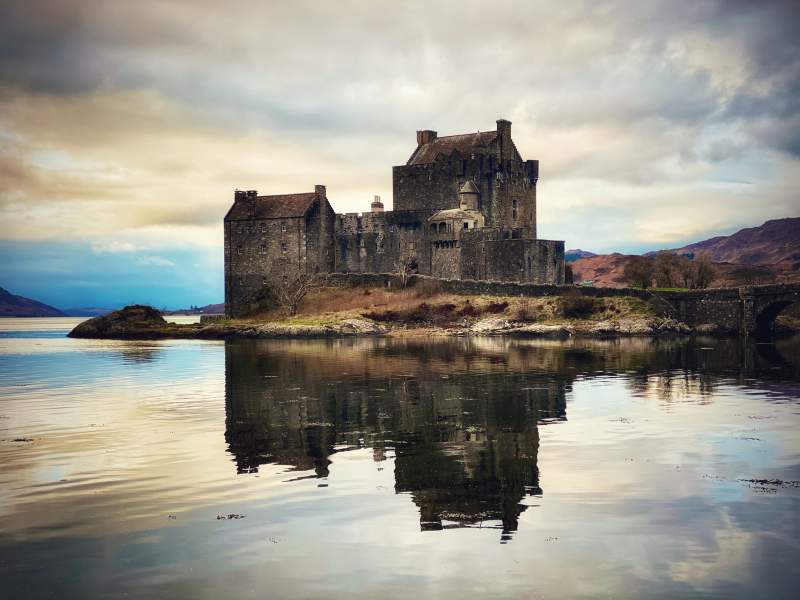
(284, 206)
(464, 144)
(468, 188)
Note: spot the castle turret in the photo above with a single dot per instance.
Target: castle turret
(377, 205)
(468, 196)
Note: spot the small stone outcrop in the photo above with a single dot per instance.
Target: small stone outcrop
(132, 322)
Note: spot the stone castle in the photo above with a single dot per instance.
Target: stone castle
(464, 208)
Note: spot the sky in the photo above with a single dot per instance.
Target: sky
(125, 127)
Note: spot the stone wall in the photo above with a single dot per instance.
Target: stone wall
(261, 253)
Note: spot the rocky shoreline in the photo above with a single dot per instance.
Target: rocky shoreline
(146, 323)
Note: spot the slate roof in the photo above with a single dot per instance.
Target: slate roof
(285, 206)
(463, 143)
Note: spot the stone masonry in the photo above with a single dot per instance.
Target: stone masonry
(464, 208)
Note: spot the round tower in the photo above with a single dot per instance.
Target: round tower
(468, 196)
(377, 205)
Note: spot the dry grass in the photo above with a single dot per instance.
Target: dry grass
(420, 306)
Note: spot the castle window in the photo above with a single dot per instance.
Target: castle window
(283, 226)
(262, 249)
(238, 249)
(283, 247)
(466, 225)
(433, 228)
(263, 228)
(238, 229)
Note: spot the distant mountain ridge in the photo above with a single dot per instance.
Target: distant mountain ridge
(87, 311)
(576, 253)
(773, 247)
(774, 242)
(12, 305)
(208, 309)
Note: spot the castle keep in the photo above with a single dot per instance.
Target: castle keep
(464, 208)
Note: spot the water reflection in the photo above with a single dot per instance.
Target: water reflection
(465, 445)
(344, 455)
(460, 419)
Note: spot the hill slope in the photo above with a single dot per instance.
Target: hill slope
(775, 242)
(19, 306)
(773, 247)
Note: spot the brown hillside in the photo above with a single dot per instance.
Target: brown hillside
(773, 243)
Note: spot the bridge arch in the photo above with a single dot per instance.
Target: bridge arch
(768, 312)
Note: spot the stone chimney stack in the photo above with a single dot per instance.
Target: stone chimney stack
(425, 137)
(320, 191)
(377, 205)
(504, 134)
(250, 196)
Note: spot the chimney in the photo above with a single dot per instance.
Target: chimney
(504, 128)
(425, 137)
(251, 196)
(377, 205)
(504, 135)
(239, 195)
(319, 190)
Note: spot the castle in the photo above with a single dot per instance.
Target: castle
(464, 208)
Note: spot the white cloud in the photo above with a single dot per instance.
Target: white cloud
(155, 261)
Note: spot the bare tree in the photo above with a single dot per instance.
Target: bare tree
(639, 271)
(704, 271)
(405, 267)
(666, 266)
(290, 292)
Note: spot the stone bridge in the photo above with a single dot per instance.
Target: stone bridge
(750, 310)
(747, 310)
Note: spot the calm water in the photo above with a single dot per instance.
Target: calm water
(459, 468)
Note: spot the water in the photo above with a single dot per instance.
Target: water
(396, 468)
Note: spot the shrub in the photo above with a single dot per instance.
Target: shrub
(577, 307)
(525, 311)
(468, 310)
(496, 307)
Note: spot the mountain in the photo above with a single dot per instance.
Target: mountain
(774, 242)
(208, 309)
(575, 254)
(605, 270)
(19, 306)
(764, 254)
(87, 311)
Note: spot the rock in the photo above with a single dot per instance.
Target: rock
(362, 327)
(136, 321)
(491, 325)
(541, 330)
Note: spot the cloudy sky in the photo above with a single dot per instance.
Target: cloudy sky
(126, 126)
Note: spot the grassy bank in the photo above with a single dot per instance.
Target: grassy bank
(425, 306)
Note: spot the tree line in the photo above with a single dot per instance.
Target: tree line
(669, 270)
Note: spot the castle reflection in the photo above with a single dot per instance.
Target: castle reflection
(461, 423)
(460, 418)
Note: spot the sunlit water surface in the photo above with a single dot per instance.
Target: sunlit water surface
(457, 468)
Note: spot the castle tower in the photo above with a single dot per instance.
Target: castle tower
(377, 205)
(468, 196)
